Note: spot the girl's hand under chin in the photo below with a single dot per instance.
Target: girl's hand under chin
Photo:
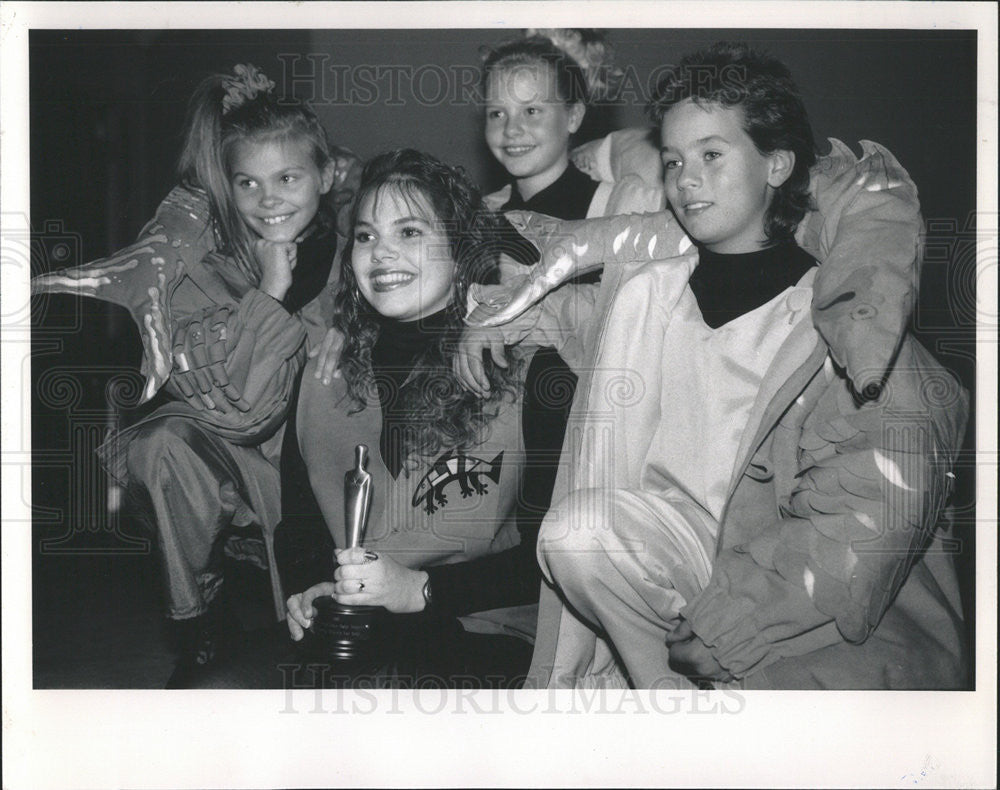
(277, 261)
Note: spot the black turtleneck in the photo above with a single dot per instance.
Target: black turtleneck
(505, 578)
(313, 261)
(730, 285)
(568, 197)
(396, 352)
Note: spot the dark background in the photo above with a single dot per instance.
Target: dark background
(106, 111)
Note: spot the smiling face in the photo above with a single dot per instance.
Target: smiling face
(401, 256)
(277, 186)
(717, 182)
(528, 126)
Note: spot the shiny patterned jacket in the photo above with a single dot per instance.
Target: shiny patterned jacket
(834, 567)
(144, 277)
(171, 280)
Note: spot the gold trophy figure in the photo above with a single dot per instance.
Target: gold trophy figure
(345, 632)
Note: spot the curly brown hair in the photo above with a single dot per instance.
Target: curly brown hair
(444, 413)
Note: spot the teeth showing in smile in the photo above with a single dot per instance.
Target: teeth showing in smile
(388, 280)
(276, 220)
(696, 206)
(518, 150)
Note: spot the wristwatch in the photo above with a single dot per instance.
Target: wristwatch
(428, 596)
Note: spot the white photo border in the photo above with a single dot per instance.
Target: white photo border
(272, 739)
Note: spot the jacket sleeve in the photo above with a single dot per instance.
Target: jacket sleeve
(142, 276)
(566, 316)
(626, 164)
(866, 230)
(557, 322)
(262, 351)
(572, 247)
(871, 484)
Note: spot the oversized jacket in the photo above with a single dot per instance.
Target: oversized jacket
(832, 569)
(144, 276)
(172, 277)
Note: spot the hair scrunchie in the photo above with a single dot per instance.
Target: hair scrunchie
(248, 82)
(591, 51)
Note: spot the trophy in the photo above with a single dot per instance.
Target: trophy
(345, 632)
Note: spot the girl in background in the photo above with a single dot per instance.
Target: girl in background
(536, 98)
(537, 90)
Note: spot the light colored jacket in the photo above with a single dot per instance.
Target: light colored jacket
(833, 569)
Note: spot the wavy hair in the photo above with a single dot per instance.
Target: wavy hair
(774, 116)
(444, 414)
(214, 126)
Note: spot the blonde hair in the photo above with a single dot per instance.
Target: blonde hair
(225, 110)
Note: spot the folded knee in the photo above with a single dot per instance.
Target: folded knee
(157, 442)
(577, 535)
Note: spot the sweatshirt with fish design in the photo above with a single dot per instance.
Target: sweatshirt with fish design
(454, 515)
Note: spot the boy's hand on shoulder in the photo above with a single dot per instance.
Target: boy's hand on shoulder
(468, 363)
(277, 262)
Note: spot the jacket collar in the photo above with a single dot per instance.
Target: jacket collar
(866, 232)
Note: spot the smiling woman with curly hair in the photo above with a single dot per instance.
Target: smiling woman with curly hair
(443, 538)
(439, 411)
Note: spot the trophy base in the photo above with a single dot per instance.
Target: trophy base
(346, 633)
